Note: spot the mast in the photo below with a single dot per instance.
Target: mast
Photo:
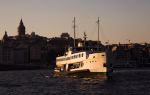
(74, 28)
(98, 30)
(98, 42)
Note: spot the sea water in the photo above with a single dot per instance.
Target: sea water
(43, 82)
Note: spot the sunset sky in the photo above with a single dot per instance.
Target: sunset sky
(120, 20)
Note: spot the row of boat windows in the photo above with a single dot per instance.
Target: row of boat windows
(72, 57)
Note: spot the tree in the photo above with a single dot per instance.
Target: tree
(65, 35)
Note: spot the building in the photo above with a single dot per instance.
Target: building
(22, 48)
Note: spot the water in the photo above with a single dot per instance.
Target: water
(42, 82)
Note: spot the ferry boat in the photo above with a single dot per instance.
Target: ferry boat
(84, 60)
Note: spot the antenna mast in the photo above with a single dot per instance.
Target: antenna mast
(74, 27)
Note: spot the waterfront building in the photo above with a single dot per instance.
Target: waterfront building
(22, 48)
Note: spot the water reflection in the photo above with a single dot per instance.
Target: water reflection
(84, 84)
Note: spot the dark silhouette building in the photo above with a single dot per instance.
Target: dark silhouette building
(23, 48)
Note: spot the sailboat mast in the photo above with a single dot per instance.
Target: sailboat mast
(74, 28)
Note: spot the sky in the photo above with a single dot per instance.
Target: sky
(120, 20)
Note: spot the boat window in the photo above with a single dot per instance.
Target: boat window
(82, 64)
(75, 56)
(93, 56)
(82, 54)
(103, 55)
(104, 65)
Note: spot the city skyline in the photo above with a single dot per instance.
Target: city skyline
(120, 20)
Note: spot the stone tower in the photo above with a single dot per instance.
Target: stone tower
(21, 29)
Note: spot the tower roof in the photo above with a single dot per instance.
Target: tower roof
(21, 22)
(21, 28)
